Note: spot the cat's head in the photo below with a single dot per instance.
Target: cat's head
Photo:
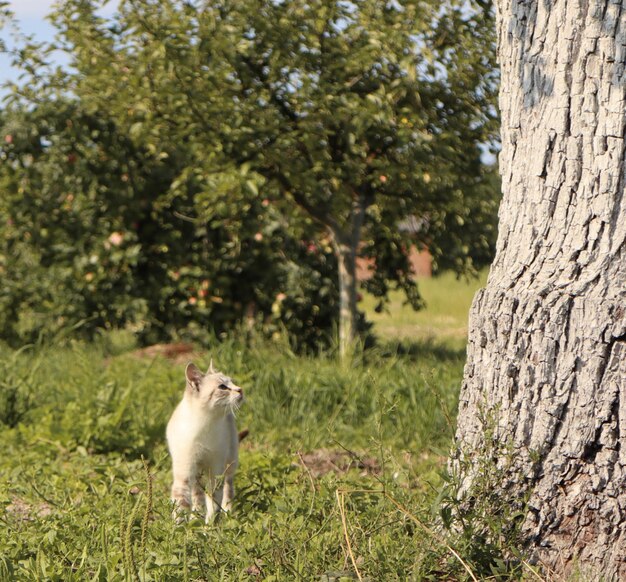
(213, 390)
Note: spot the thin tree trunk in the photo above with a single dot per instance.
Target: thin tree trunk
(546, 369)
(346, 245)
(346, 262)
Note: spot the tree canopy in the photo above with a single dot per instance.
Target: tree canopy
(329, 120)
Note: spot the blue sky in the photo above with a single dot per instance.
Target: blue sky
(31, 14)
(31, 17)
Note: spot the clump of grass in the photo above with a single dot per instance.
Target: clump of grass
(17, 388)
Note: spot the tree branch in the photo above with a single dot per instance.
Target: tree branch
(319, 216)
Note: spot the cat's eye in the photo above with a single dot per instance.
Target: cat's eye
(223, 387)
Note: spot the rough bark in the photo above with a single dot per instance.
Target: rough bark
(547, 347)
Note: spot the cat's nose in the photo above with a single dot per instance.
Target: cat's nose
(239, 392)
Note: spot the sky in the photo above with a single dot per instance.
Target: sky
(32, 13)
(30, 8)
(31, 17)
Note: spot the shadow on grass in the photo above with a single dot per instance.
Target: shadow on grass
(420, 349)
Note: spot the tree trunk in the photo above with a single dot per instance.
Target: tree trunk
(346, 243)
(348, 314)
(546, 369)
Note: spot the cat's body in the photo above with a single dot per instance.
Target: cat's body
(203, 442)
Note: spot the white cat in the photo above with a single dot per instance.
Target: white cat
(203, 442)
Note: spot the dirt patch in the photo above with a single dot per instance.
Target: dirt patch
(179, 353)
(19, 510)
(323, 461)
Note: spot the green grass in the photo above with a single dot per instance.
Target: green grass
(442, 322)
(85, 475)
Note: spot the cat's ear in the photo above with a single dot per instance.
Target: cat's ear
(211, 370)
(193, 377)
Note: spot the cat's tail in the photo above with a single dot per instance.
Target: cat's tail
(243, 434)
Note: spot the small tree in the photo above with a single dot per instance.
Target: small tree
(91, 238)
(344, 116)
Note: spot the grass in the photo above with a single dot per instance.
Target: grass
(443, 322)
(342, 477)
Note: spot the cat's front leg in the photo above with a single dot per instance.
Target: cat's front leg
(229, 492)
(198, 498)
(181, 496)
(213, 499)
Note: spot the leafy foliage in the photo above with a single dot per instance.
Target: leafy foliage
(94, 239)
(319, 122)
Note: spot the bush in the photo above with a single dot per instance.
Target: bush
(100, 234)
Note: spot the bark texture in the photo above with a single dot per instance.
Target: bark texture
(547, 348)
